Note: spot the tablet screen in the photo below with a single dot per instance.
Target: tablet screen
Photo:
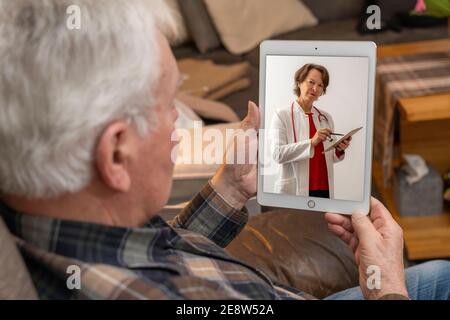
(306, 99)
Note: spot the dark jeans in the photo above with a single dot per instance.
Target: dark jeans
(319, 193)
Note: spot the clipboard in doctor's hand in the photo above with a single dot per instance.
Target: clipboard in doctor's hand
(345, 137)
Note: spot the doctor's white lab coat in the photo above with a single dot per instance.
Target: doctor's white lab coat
(293, 158)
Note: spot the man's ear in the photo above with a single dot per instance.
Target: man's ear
(113, 154)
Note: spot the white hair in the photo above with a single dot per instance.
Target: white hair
(59, 87)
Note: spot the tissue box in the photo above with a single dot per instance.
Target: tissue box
(421, 198)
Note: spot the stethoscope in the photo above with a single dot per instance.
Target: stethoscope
(321, 117)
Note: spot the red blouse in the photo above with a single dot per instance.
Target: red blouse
(318, 174)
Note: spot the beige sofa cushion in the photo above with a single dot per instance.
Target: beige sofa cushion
(242, 25)
(15, 282)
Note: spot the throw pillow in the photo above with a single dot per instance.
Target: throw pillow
(242, 25)
(199, 24)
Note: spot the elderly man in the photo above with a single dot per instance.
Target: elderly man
(86, 117)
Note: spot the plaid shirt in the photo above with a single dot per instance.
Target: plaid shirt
(181, 259)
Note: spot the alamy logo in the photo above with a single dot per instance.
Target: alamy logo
(74, 279)
(374, 20)
(374, 278)
(73, 21)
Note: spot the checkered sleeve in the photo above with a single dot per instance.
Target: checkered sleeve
(211, 216)
(105, 282)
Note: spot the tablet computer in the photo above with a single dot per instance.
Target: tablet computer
(312, 94)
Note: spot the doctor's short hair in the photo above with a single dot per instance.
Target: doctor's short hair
(59, 88)
(303, 72)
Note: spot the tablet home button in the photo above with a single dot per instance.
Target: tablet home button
(311, 204)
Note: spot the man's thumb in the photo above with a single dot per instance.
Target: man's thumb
(363, 226)
(253, 116)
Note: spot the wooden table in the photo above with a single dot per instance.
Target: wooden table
(413, 48)
(426, 237)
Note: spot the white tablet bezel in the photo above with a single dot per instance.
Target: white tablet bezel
(319, 48)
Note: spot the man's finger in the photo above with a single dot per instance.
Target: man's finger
(344, 221)
(340, 232)
(363, 227)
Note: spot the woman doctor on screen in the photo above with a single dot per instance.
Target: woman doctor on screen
(300, 133)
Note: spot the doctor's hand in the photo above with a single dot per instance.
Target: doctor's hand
(320, 136)
(235, 180)
(377, 242)
(344, 144)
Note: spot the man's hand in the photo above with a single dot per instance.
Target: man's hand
(376, 240)
(320, 136)
(235, 180)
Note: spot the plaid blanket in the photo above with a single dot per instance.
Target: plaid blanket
(403, 77)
